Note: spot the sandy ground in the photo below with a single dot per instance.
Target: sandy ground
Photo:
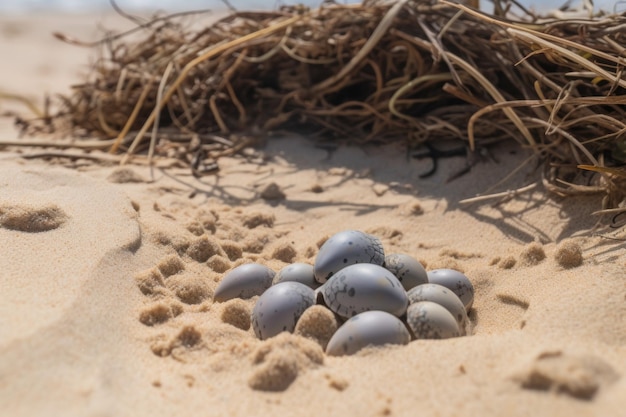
(107, 275)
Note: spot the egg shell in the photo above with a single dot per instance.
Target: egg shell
(244, 281)
(444, 297)
(347, 248)
(371, 328)
(297, 272)
(407, 269)
(279, 308)
(429, 320)
(456, 281)
(363, 287)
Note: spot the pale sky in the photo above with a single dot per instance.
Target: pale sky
(174, 5)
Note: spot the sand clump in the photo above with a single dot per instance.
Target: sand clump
(195, 228)
(160, 312)
(257, 240)
(278, 361)
(445, 262)
(179, 345)
(233, 250)
(532, 254)
(254, 220)
(507, 262)
(32, 219)
(578, 376)
(236, 312)
(317, 323)
(188, 337)
(204, 248)
(208, 220)
(150, 281)
(219, 263)
(272, 192)
(190, 288)
(177, 241)
(125, 175)
(569, 254)
(170, 265)
(284, 252)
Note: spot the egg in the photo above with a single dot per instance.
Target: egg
(363, 287)
(407, 269)
(429, 320)
(444, 297)
(347, 248)
(244, 281)
(297, 272)
(455, 281)
(370, 328)
(279, 308)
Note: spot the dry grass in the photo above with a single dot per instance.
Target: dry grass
(380, 71)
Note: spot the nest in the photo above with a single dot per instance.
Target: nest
(412, 71)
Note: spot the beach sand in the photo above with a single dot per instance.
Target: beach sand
(107, 275)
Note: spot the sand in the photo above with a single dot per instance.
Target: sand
(107, 277)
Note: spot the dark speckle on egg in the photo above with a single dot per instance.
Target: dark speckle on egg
(346, 248)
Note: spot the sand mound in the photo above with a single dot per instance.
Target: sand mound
(107, 303)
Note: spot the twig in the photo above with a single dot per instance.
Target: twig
(583, 62)
(373, 40)
(104, 157)
(509, 193)
(567, 136)
(155, 127)
(131, 119)
(44, 143)
(412, 84)
(73, 41)
(26, 101)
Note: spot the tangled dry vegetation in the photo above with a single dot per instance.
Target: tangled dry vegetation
(380, 71)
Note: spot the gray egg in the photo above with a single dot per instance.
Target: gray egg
(244, 281)
(297, 272)
(444, 297)
(430, 320)
(279, 308)
(455, 281)
(371, 328)
(363, 287)
(407, 269)
(347, 248)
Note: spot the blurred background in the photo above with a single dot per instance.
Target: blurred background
(90, 6)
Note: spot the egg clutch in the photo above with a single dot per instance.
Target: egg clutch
(378, 299)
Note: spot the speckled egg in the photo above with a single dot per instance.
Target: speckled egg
(407, 269)
(363, 287)
(297, 272)
(444, 297)
(244, 281)
(430, 320)
(371, 328)
(455, 281)
(347, 248)
(279, 308)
